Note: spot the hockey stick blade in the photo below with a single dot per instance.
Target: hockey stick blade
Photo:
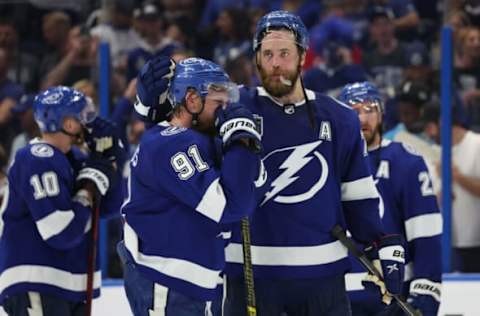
(339, 233)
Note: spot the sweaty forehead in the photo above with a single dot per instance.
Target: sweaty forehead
(279, 39)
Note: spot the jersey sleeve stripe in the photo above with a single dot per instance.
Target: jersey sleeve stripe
(289, 256)
(54, 223)
(213, 201)
(172, 267)
(360, 189)
(426, 225)
(353, 281)
(46, 275)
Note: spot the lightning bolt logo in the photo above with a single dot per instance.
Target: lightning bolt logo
(294, 162)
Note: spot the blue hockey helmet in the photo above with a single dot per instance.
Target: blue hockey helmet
(202, 75)
(55, 104)
(281, 20)
(361, 92)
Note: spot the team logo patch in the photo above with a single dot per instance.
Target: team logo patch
(172, 130)
(42, 150)
(289, 164)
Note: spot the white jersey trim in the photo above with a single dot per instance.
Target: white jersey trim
(289, 256)
(421, 226)
(263, 93)
(213, 201)
(360, 189)
(175, 268)
(54, 223)
(47, 275)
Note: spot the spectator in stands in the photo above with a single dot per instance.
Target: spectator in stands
(75, 60)
(119, 33)
(332, 41)
(307, 10)
(467, 64)
(24, 112)
(241, 70)
(10, 93)
(466, 189)
(409, 101)
(234, 38)
(151, 27)
(23, 66)
(387, 57)
(405, 16)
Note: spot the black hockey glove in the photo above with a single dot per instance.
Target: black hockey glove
(103, 141)
(234, 124)
(100, 172)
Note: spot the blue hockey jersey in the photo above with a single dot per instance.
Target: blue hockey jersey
(181, 203)
(409, 208)
(319, 178)
(43, 231)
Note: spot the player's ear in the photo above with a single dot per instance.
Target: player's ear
(192, 101)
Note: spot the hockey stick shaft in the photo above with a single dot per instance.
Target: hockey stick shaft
(247, 268)
(339, 233)
(92, 258)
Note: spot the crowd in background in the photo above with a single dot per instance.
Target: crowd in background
(393, 43)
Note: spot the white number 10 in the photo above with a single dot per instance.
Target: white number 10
(46, 185)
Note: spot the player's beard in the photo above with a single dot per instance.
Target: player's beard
(371, 135)
(277, 88)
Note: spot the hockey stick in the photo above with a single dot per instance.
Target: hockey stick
(247, 268)
(92, 258)
(339, 233)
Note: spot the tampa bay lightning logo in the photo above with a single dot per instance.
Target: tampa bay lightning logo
(42, 150)
(298, 158)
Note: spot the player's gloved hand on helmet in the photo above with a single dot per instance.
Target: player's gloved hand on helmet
(153, 82)
(388, 256)
(425, 296)
(102, 139)
(235, 123)
(98, 171)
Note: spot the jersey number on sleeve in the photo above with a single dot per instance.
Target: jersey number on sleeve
(183, 165)
(426, 188)
(45, 185)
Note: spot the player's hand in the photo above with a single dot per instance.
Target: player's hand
(425, 296)
(235, 123)
(103, 141)
(100, 172)
(153, 82)
(388, 256)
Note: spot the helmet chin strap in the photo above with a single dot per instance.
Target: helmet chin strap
(196, 114)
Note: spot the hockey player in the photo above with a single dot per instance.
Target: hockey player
(408, 207)
(46, 217)
(315, 157)
(185, 191)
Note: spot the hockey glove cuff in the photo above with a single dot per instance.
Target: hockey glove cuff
(425, 296)
(388, 256)
(100, 172)
(234, 123)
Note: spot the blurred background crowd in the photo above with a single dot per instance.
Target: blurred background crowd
(394, 43)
